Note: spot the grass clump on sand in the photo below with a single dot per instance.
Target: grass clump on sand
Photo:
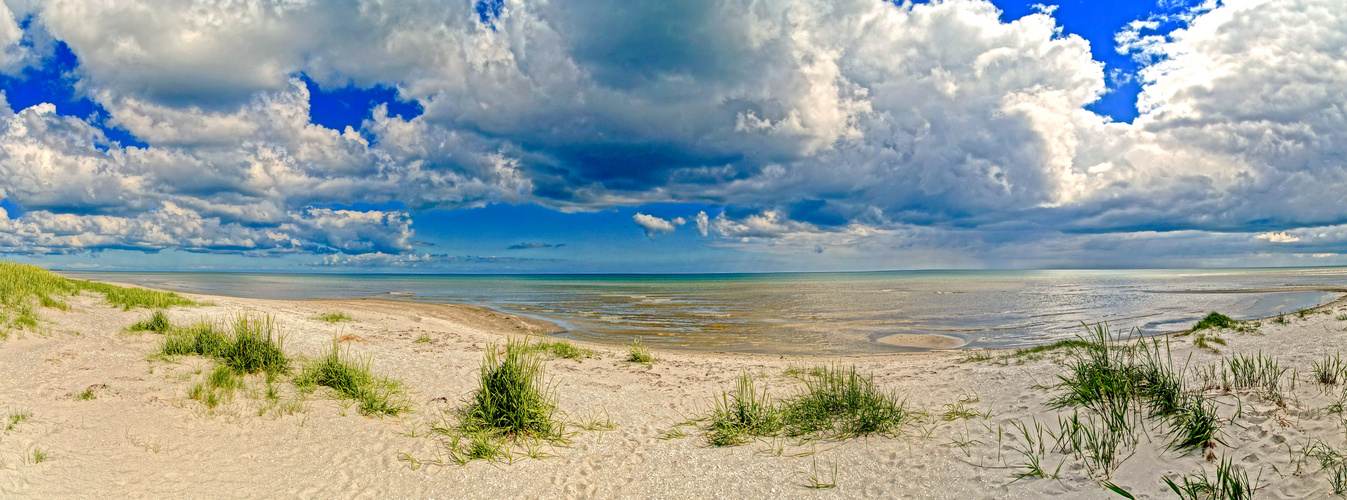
(16, 419)
(202, 338)
(351, 378)
(334, 317)
(50, 303)
(841, 403)
(218, 388)
(740, 416)
(837, 403)
(1258, 373)
(973, 357)
(24, 288)
(1216, 321)
(1330, 371)
(562, 349)
(1117, 383)
(1230, 483)
(252, 344)
(157, 322)
(639, 353)
(513, 405)
(513, 398)
(38, 456)
(1068, 344)
(1209, 342)
(1329, 460)
(1118, 389)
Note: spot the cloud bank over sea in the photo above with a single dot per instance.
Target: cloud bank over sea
(938, 132)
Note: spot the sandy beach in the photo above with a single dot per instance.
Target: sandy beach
(112, 419)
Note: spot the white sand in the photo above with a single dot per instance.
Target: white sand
(142, 437)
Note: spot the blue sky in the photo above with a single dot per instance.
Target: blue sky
(589, 136)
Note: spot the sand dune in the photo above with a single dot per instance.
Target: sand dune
(139, 435)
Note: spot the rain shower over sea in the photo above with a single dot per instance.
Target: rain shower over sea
(817, 313)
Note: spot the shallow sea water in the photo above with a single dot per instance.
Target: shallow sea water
(816, 313)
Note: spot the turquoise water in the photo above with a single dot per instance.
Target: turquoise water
(817, 313)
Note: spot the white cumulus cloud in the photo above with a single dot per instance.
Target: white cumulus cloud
(655, 226)
(857, 120)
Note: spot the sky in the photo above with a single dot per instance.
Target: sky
(597, 136)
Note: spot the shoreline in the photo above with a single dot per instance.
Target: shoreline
(898, 341)
(141, 434)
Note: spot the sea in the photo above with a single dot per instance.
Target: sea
(815, 313)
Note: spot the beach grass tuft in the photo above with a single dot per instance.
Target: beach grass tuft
(800, 371)
(157, 323)
(960, 409)
(513, 406)
(639, 353)
(840, 402)
(1260, 373)
(746, 413)
(1208, 341)
(1230, 483)
(1194, 424)
(218, 387)
(37, 456)
(252, 344)
(815, 480)
(513, 398)
(837, 403)
(483, 445)
(17, 418)
(973, 357)
(1214, 320)
(351, 377)
(1068, 344)
(50, 303)
(1118, 381)
(223, 378)
(257, 345)
(334, 317)
(562, 349)
(1331, 370)
(1032, 446)
(199, 339)
(1329, 460)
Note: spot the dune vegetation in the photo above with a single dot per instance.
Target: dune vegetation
(837, 403)
(350, 378)
(253, 343)
(513, 407)
(25, 289)
(334, 317)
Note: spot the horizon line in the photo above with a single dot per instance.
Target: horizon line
(684, 273)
